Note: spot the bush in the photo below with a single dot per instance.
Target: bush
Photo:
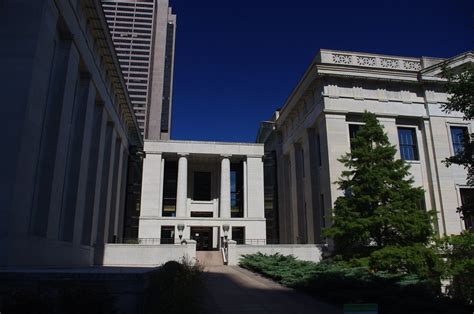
(415, 259)
(459, 254)
(172, 289)
(341, 282)
(285, 269)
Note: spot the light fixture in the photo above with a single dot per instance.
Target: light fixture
(180, 231)
(226, 230)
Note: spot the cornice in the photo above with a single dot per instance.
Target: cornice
(366, 72)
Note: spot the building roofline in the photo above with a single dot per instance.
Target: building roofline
(204, 142)
(103, 34)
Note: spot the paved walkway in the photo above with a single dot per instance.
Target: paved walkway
(231, 289)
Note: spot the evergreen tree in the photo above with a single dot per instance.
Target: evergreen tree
(380, 207)
(460, 87)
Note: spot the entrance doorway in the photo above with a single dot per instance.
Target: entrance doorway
(203, 238)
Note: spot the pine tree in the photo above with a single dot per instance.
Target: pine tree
(379, 207)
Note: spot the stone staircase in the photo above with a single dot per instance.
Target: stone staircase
(209, 258)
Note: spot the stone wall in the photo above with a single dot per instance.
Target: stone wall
(146, 255)
(305, 252)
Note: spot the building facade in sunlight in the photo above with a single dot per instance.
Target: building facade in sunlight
(143, 32)
(305, 138)
(202, 191)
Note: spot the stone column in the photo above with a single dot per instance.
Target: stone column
(225, 188)
(293, 189)
(89, 228)
(84, 162)
(245, 200)
(123, 192)
(182, 189)
(66, 105)
(309, 161)
(116, 195)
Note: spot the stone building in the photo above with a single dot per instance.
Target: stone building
(193, 190)
(315, 125)
(69, 129)
(143, 32)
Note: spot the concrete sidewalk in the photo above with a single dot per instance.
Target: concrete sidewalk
(231, 289)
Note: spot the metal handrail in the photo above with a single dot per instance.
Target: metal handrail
(255, 241)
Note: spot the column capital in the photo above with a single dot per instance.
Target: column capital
(183, 154)
(226, 156)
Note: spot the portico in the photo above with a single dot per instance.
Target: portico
(202, 186)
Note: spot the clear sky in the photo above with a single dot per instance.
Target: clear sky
(237, 61)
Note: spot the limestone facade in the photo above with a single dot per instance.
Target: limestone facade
(202, 186)
(313, 129)
(69, 128)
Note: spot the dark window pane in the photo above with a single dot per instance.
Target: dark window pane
(202, 186)
(467, 200)
(202, 214)
(457, 136)
(236, 190)
(167, 235)
(353, 130)
(320, 159)
(170, 184)
(238, 235)
(408, 147)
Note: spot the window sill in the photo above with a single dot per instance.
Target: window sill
(413, 162)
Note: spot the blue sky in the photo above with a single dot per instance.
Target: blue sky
(237, 61)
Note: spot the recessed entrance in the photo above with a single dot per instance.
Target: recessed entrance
(203, 238)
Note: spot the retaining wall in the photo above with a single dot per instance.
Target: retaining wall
(305, 252)
(146, 255)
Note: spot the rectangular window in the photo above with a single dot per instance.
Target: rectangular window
(202, 214)
(202, 186)
(407, 141)
(457, 135)
(170, 185)
(318, 139)
(353, 130)
(323, 212)
(236, 190)
(167, 235)
(467, 197)
(302, 162)
(238, 234)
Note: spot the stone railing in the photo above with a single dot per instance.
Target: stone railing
(370, 60)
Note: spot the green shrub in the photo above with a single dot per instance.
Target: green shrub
(415, 259)
(341, 282)
(459, 254)
(173, 288)
(285, 269)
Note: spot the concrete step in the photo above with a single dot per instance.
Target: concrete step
(209, 258)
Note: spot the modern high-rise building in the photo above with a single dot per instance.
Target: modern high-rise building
(143, 32)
